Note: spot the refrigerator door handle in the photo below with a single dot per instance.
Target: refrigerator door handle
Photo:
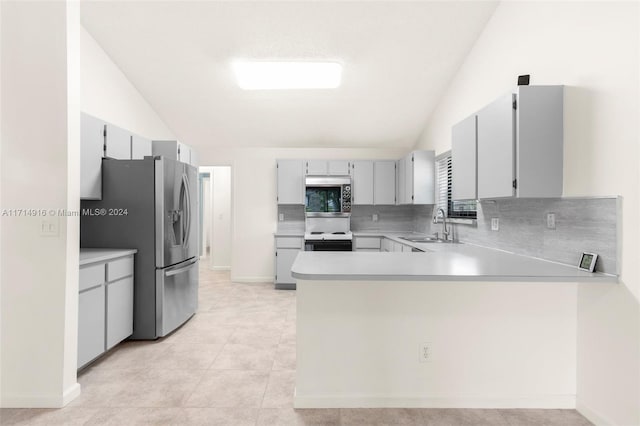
(187, 208)
(173, 272)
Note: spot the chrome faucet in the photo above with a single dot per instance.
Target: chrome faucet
(445, 231)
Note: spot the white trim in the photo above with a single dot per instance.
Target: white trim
(592, 415)
(377, 401)
(220, 268)
(265, 279)
(41, 401)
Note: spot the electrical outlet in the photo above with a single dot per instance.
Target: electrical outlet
(281, 217)
(495, 223)
(551, 221)
(424, 352)
(374, 217)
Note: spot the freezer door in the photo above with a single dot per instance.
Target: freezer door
(175, 198)
(176, 296)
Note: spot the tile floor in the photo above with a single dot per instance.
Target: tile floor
(232, 364)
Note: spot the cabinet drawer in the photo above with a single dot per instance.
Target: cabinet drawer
(367, 242)
(91, 276)
(120, 268)
(289, 242)
(119, 311)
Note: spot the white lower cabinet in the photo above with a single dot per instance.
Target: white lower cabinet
(105, 306)
(90, 324)
(287, 248)
(119, 315)
(367, 244)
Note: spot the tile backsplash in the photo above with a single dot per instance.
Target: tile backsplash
(581, 224)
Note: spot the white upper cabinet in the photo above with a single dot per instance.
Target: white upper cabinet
(327, 167)
(416, 178)
(91, 151)
(339, 167)
(140, 147)
(175, 150)
(384, 182)
(520, 144)
(290, 181)
(362, 176)
(463, 159)
(117, 143)
(317, 167)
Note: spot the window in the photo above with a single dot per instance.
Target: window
(453, 209)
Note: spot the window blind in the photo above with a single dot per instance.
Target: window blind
(444, 177)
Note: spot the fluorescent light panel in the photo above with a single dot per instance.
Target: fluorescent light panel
(256, 75)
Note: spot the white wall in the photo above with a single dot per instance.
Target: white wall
(254, 207)
(592, 48)
(508, 345)
(39, 170)
(221, 217)
(109, 95)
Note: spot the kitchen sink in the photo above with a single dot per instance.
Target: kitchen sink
(423, 239)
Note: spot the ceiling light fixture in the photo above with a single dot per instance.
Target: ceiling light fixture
(257, 75)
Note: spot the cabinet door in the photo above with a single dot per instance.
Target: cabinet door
(119, 311)
(140, 147)
(91, 151)
(406, 249)
(496, 146)
(463, 159)
(317, 167)
(384, 182)
(91, 324)
(284, 262)
(184, 153)
(290, 182)
(387, 245)
(401, 179)
(408, 180)
(397, 247)
(339, 167)
(194, 158)
(362, 193)
(118, 143)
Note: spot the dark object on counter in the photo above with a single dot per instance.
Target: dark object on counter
(523, 80)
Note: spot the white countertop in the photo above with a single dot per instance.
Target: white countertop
(289, 233)
(439, 262)
(93, 255)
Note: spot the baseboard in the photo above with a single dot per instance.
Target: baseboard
(40, 401)
(538, 401)
(592, 415)
(220, 268)
(267, 279)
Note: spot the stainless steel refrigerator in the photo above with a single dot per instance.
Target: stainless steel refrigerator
(150, 205)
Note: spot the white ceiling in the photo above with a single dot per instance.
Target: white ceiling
(398, 58)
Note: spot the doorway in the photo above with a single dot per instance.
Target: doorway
(215, 216)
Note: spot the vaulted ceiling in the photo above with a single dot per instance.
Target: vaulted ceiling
(398, 58)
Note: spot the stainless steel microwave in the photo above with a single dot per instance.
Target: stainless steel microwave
(327, 196)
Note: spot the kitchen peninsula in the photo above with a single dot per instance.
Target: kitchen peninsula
(456, 326)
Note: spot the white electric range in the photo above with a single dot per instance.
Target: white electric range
(328, 241)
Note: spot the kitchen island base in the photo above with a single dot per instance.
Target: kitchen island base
(490, 344)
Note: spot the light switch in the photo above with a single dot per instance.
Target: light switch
(374, 217)
(281, 217)
(49, 227)
(495, 223)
